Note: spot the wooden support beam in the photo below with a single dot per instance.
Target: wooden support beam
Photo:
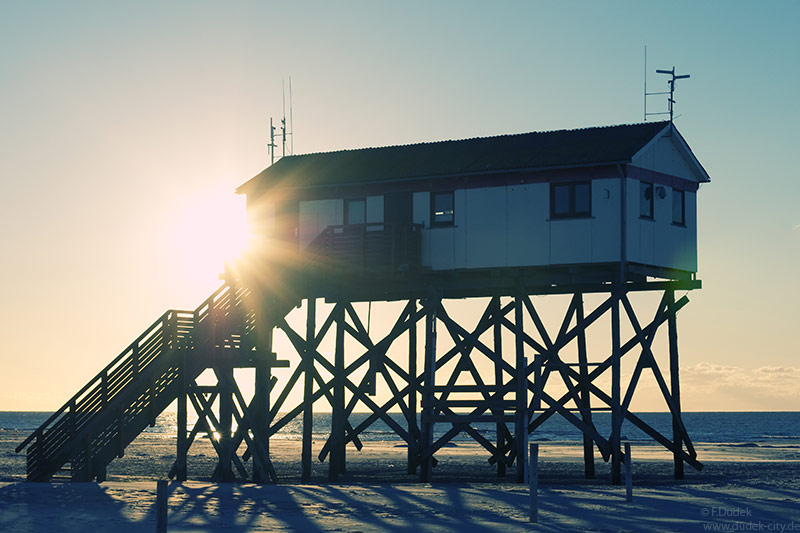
(498, 380)
(411, 416)
(585, 395)
(203, 408)
(336, 465)
(225, 424)
(521, 390)
(431, 306)
(182, 441)
(674, 375)
(616, 406)
(261, 417)
(308, 388)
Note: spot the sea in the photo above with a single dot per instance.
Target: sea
(761, 428)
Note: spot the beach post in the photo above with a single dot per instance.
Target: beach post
(533, 479)
(161, 506)
(628, 473)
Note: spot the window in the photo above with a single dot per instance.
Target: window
(571, 200)
(646, 200)
(678, 207)
(355, 211)
(442, 209)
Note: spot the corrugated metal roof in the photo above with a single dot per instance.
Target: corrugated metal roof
(536, 150)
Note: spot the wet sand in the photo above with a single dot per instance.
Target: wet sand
(744, 486)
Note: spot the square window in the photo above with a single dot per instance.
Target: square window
(583, 199)
(571, 200)
(678, 207)
(355, 211)
(645, 200)
(442, 209)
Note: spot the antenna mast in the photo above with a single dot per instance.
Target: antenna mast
(271, 145)
(671, 92)
(284, 131)
(672, 87)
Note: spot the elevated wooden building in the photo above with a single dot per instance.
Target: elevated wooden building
(608, 211)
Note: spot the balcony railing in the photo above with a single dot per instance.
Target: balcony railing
(367, 248)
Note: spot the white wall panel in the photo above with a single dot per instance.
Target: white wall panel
(606, 216)
(663, 156)
(443, 248)
(485, 228)
(528, 227)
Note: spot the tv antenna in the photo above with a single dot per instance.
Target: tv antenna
(286, 133)
(671, 92)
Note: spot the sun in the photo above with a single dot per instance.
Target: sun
(209, 230)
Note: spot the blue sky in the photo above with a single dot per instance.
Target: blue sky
(126, 125)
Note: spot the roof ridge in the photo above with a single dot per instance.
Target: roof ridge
(500, 136)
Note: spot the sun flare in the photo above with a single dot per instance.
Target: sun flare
(209, 231)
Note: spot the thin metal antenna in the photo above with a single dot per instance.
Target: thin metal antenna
(671, 92)
(283, 120)
(291, 120)
(645, 83)
(271, 145)
(285, 132)
(672, 87)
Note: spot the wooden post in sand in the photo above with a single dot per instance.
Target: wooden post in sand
(308, 388)
(674, 376)
(616, 408)
(521, 407)
(413, 430)
(161, 506)
(628, 474)
(533, 480)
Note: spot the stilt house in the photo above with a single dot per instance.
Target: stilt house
(614, 203)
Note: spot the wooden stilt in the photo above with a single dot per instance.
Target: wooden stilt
(413, 428)
(674, 375)
(616, 410)
(428, 384)
(261, 398)
(521, 396)
(225, 424)
(308, 388)
(336, 461)
(182, 441)
(586, 408)
(498, 380)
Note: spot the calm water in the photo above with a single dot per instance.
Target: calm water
(765, 427)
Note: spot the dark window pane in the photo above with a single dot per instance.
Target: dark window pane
(443, 208)
(678, 207)
(355, 211)
(646, 200)
(561, 200)
(583, 199)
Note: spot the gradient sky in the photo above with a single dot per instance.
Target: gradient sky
(125, 128)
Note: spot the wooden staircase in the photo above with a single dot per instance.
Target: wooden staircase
(95, 425)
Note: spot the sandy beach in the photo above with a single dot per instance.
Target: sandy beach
(744, 487)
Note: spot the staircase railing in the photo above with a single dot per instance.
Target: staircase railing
(69, 426)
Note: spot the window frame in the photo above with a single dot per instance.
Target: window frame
(572, 211)
(347, 210)
(443, 223)
(643, 187)
(682, 195)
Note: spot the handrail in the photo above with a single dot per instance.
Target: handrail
(130, 351)
(99, 377)
(123, 378)
(328, 247)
